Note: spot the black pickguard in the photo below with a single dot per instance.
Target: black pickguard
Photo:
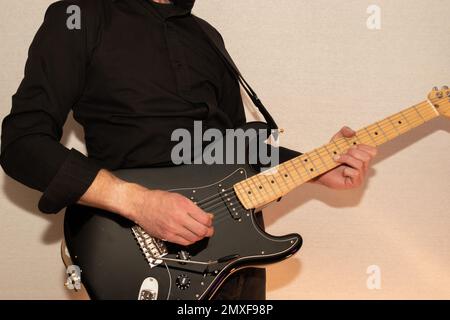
(114, 267)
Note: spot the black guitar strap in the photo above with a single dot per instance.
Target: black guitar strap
(219, 46)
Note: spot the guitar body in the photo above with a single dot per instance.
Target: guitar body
(112, 254)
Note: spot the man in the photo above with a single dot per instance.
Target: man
(135, 71)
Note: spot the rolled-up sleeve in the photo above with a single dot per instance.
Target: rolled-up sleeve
(54, 78)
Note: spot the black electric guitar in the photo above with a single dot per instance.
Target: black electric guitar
(119, 260)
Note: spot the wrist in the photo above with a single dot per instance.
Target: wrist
(130, 200)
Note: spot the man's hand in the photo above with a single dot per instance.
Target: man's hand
(355, 163)
(172, 217)
(161, 214)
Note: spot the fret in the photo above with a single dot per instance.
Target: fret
(306, 159)
(354, 141)
(280, 182)
(376, 135)
(393, 126)
(252, 191)
(293, 170)
(343, 146)
(364, 138)
(346, 141)
(243, 195)
(297, 163)
(428, 111)
(401, 125)
(321, 160)
(417, 111)
(388, 129)
(258, 183)
(412, 118)
(382, 131)
(332, 153)
(296, 168)
(334, 149)
(305, 169)
(286, 176)
(337, 147)
(268, 178)
(370, 136)
(274, 184)
(326, 158)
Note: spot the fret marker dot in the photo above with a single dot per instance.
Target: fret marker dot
(249, 192)
(376, 133)
(312, 169)
(260, 187)
(399, 122)
(285, 175)
(272, 181)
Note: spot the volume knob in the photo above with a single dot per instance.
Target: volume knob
(183, 282)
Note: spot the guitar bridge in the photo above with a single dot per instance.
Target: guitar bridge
(152, 248)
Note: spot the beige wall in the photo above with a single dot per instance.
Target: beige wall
(318, 67)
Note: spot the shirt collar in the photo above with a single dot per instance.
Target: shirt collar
(170, 10)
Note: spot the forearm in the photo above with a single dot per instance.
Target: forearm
(113, 194)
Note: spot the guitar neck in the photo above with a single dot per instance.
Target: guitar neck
(276, 182)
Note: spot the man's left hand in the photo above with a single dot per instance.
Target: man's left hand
(354, 165)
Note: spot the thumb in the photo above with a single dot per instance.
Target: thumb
(345, 132)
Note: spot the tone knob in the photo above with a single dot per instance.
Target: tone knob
(183, 255)
(183, 282)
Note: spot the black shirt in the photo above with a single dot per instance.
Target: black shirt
(133, 73)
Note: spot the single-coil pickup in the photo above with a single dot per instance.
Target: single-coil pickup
(231, 202)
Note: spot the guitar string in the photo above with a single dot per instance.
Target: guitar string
(232, 197)
(216, 197)
(219, 215)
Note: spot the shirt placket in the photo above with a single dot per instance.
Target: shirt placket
(178, 60)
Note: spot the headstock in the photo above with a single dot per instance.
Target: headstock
(441, 100)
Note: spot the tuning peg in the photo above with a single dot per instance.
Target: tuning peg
(445, 88)
(435, 89)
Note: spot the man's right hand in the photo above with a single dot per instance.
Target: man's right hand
(164, 215)
(172, 217)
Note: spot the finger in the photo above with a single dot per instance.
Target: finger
(350, 160)
(352, 176)
(345, 132)
(187, 234)
(201, 216)
(350, 172)
(370, 150)
(179, 240)
(198, 229)
(360, 155)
